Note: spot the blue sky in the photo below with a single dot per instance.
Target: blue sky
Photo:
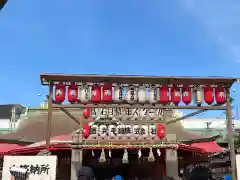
(181, 37)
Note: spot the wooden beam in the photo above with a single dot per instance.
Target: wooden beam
(69, 115)
(134, 106)
(189, 115)
(137, 79)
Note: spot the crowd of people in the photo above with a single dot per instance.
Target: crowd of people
(198, 173)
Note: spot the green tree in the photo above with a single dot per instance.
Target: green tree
(237, 140)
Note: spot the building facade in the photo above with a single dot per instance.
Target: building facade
(11, 115)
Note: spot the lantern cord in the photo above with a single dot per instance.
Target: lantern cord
(129, 146)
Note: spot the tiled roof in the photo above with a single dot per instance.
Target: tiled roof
(34, 127)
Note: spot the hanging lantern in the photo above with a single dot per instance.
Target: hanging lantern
(60, 93)
(120, 130)
(107, 93)
(128, 131)
(208, 95)
(161, 131)
(220, 95)
(103, 130)
(112, 131)
(164, 95)
(186, 95)
(141, 94)
(72, 93)
(153, 94)
(87, 113)
(94, 131)
(86, 130)
(152, 130)
(131, 94)
(96, 94)
(84, 93)
(175, 95)
(143, 131)
(198, 96)
(118, 94)
(135, 131)
(95, 113)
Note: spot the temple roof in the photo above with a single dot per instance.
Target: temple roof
(137, 79)
(33, 129)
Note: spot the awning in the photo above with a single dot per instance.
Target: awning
(63, 139)
(5, 147)
(209, 147)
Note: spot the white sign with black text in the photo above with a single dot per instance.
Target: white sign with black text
(129, 112)
(36, 167)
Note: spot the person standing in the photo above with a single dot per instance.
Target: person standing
(118, 177)
(85, 173)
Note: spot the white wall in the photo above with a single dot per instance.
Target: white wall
(4, 123)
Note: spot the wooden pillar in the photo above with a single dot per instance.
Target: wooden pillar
(172, 159)
(76, 162)
(49, 121)
(171, 154)
(77, 153)
(230, 135)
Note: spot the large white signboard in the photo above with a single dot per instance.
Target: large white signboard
(238, 165)
(37, 167)
(134, 112)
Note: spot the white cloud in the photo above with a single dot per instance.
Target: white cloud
(220, 18)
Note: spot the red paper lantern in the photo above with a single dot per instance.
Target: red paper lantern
(175, 95)
(96, 94)
(161, 131)
(164, 97)
(107, 93)
(60, 93)
(86, 130)
(72, 93)
(186, 95)
(87, 112)
(220, 95)
(208, 95)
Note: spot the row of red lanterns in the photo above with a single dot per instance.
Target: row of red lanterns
(104, 93)
(73, 93)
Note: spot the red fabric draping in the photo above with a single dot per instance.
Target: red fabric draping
(5, 147)
(208, 147)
